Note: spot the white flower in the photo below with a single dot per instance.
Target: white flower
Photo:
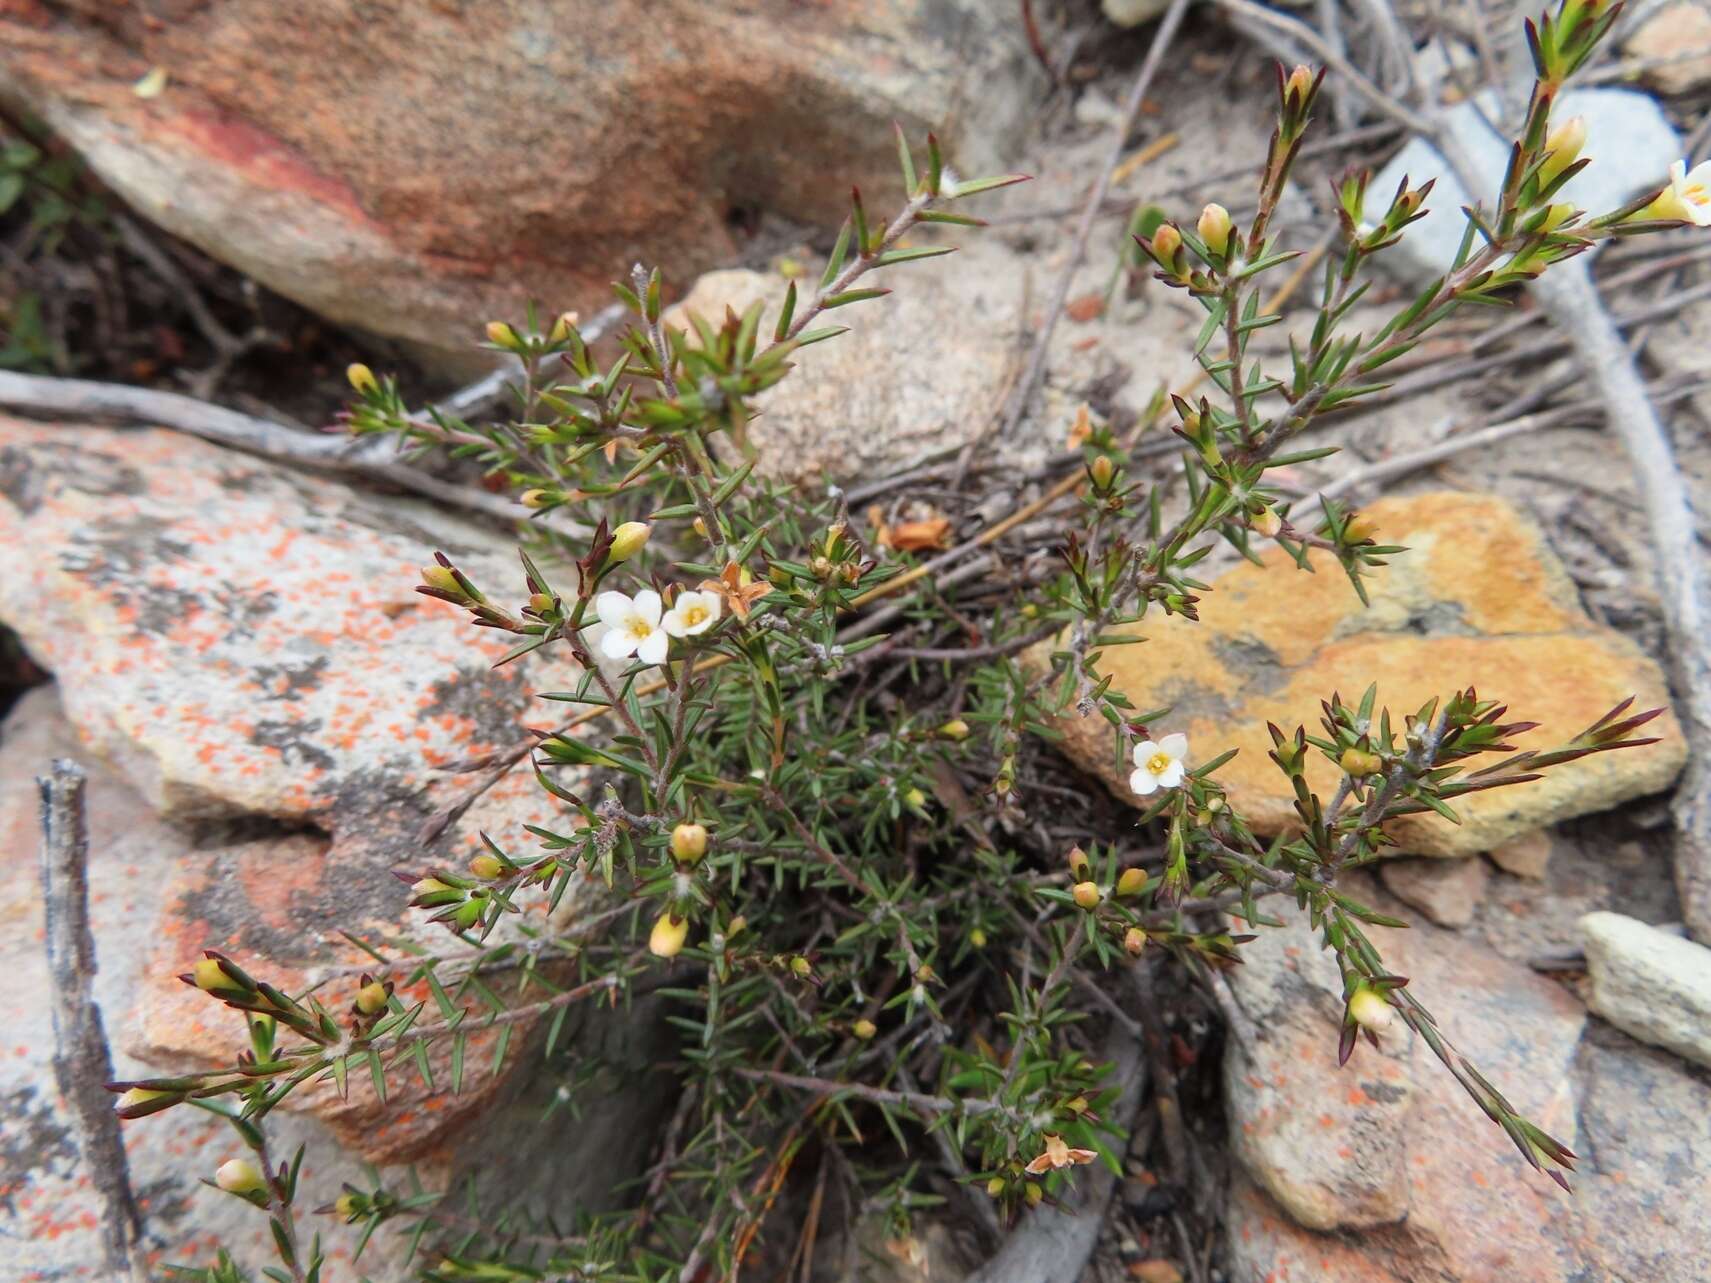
(632, 626)
(693, 612)
(1688, 196)
(1159, 765)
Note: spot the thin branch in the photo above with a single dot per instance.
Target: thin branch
(82, 1062)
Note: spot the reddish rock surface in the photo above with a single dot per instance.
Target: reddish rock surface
(417, 169)
(241, 641)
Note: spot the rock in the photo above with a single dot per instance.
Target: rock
(241, 641)
(1446, 891)
(1651, 985)
(835, 418)
(1132, 13)
(1470, 1209)
(1477, 600)
(1630, 141)
(1667, 35)
(1527, 856)
(1330, 1147)
(416, 170)
(48, 1211)
(1645, 1201)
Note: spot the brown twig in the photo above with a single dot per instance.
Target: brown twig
(82, 1062)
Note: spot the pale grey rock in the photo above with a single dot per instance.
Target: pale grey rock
(1629, 140)
(1650, 984)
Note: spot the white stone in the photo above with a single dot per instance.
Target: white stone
(1650, 984)
(1132, 13)
(1629, 140)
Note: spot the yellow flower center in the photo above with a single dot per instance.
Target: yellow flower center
(693, 615)
(640, 629)
(1697, 193)
(1158, 763)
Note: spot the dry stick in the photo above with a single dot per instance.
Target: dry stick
(81, 1061)
(1024, 390)
(84, 399)
(1400, 466)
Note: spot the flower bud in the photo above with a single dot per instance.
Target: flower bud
(136, 1096)
(801, 968)
(1564, 144)
(668, 936)
(736, 925)
(1166, 241)
(1268, 523)
(1078, 863)
(467, 914)
(689, 843)
(977, 938)
(537, 498)
(428, 886)
(1300, 82)
(1370, 1010)
(362, 378)
(1359, 763)
(346, 1205)
(486, 867)
(1086, 895)
(1134, 941)
(371, 998)
(915, 798)
(441, 577)
(1214, 228)
(1133, 882)
(1360, 529)
(1102, 470)
(208, 975)
(995, 1187)
(864, 1029)
(955, 729)
(1555, 216)
(502, 334)
(562, 326)
(1035, 1194)
(239, 1176)
(629, 539)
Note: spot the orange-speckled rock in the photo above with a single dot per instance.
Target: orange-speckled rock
(49, 1211)
(244, 641)
(417, 169)
(1478, 599)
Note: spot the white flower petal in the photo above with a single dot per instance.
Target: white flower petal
(1171, 776)
(653, 650)
(1677, 173)
(1174, 745)
(672, 622)
(1142, 782)
(1144, 750)
(614, 609)
(648, 606)
(618, 643)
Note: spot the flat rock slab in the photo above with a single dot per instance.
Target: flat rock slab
(1477, 600)
(1628, 138)
(239, 641)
